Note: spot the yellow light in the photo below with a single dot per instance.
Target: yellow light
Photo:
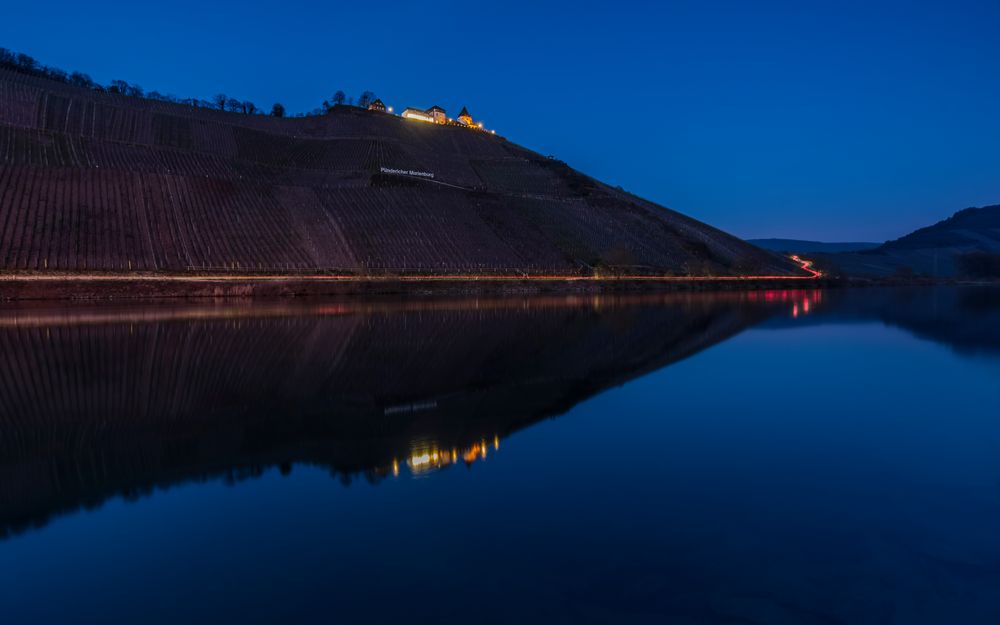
(390, 109)
(421, 459)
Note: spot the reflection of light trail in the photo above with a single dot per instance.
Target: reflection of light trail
(87, 314)
(808, 300)
(805, 265)
(814, 296)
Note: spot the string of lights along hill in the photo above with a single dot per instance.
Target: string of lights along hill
(97, 185)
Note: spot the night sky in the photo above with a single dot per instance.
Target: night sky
(837, 121)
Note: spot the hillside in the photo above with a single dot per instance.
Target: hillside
(952, 247)
(810, 247)
(97, 182)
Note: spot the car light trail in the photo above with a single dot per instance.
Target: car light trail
(807, 265)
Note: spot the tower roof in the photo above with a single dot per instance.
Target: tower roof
(435, 108)
(465, 113)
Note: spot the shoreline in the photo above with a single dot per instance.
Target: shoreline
(163, 286)
(131, 287)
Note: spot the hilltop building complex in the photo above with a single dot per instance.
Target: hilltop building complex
(437, 115)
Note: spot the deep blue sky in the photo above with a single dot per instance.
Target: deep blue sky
(838, 121)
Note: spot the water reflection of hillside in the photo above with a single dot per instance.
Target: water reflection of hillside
(103, 401)
(106, 401)
(967, 319)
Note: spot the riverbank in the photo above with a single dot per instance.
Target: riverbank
(152, 286)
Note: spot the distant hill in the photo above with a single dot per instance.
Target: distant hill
(92, 181)
(808, 247)
(966, 230)
(967, 243)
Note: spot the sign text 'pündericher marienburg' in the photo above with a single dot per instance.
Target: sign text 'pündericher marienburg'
(407, 172)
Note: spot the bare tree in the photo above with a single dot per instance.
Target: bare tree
(339, 97)
(81, 80)
(278, 110)
(366, 98)
(233, 105)
(220, 100)
(26, 62)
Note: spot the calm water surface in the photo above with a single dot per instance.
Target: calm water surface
(776, 457)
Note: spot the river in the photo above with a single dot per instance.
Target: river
(786, 456)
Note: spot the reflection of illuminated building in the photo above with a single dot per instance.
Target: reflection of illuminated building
(430, 457)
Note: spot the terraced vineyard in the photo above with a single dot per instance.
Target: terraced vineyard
(97, 182)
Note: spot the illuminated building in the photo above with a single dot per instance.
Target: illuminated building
(377, 105)
(418, 114)
(438, 114)
(434, 115)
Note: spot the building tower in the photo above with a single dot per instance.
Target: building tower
(464, 117)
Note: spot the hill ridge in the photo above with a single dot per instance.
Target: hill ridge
(982, 217)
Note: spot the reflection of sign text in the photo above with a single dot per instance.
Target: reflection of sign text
(414, 407)
(407, 172)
